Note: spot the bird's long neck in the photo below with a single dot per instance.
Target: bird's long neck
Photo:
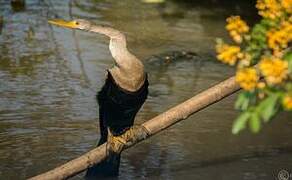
(129, 69)
(117, 46)
(108, 31)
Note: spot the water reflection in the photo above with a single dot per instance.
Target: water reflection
(1, 24)
(18, 5)
(49, 77)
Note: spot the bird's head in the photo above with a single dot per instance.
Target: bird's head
(74, 24)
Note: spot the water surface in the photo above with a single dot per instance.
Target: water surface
(49, 77)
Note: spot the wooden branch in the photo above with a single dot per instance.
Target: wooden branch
(153, 126)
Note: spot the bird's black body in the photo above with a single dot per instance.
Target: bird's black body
(118, 106)
(117, 110)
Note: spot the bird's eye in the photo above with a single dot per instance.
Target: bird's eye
(77, 23)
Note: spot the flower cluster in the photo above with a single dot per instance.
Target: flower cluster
(247, 78)
(278, 39)
(287, 5)
(227, 54)
(287, 102)
(236, 27)
(263, 60)
(274, 70)
(269, 8)
(273, 9)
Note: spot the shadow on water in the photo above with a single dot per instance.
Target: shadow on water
(18, 5)
(1, 24)
(49, 77)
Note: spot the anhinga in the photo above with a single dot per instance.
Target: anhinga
(121, 97)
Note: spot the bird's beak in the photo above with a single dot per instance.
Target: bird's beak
(63, 23)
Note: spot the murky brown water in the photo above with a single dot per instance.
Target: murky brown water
(49, 77)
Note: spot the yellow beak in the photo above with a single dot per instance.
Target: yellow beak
(63, 23)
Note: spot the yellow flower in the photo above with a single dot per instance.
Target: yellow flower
(287, 5)
(245, 59)
(247, 78)
(274, 70)
(236, 28)
(278, 39)
(227, 53)
(261, 85)
(269, 8)
(287, 102)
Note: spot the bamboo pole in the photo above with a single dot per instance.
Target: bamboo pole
(153, 126)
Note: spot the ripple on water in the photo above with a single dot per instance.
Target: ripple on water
(49, 77)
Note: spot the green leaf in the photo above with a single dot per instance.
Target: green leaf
(240, 122)
(254, 122)
(288, 86)
(242, 101)
(268, 23)
(288, 57)
(267, 108)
